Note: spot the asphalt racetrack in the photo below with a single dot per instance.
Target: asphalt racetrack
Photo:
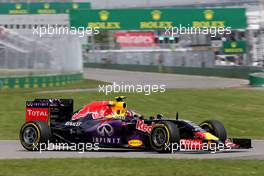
(169, 80)
(12, 149)
(147, 78)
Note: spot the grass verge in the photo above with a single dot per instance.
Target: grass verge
(241, 111)
(130, 167)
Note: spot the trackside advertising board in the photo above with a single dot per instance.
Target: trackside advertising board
(149, 19)
(41, 7)
(39, 81)
(135, 39)
(233, 47)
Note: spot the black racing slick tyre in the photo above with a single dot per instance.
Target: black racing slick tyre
(34, 133)
(163, 135)
(216, 128)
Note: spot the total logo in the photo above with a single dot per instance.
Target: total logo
(144, 127)
(41, 114)
(37, 113)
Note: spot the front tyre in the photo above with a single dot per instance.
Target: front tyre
(162, 135)
(33, 133)
(216, 128)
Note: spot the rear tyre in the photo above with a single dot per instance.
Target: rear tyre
(34, 133)
(162, 135)
(216, 128)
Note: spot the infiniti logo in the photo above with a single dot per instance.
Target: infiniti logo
(105, 130)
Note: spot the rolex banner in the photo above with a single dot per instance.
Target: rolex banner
(234, 47)
(146, 19)
(41, 7)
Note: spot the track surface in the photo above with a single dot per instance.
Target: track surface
(12, 149)
(170, 80)
(146, 78)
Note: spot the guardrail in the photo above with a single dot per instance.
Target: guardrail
(1, 85)
(219, 71)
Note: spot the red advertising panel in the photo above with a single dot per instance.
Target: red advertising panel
(135, 39)
(41, 114)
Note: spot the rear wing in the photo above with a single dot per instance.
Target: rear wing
(49, 110)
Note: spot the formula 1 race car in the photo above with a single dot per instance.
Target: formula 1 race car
(112, 124)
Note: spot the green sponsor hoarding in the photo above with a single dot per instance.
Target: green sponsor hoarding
(38, 81)
(256, 79)
(141, 19)
(41, 8)
(233, 47)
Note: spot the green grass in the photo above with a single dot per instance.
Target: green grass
(130, 167)
(241, 111)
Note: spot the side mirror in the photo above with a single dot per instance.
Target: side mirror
(159, 116)
(151, 118)
(177, 116)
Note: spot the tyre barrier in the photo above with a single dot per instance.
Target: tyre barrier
(40, 81)
(256, 79)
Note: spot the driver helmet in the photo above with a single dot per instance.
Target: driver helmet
(119, 106)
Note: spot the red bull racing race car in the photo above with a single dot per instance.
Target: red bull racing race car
(111, 124)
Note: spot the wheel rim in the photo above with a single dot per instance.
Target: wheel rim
(30, 135)
(208, 129)
(159, 136)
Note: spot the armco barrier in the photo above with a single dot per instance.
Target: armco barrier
(40, 81)
(1, 84)
(256, 79)
(219, 71)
